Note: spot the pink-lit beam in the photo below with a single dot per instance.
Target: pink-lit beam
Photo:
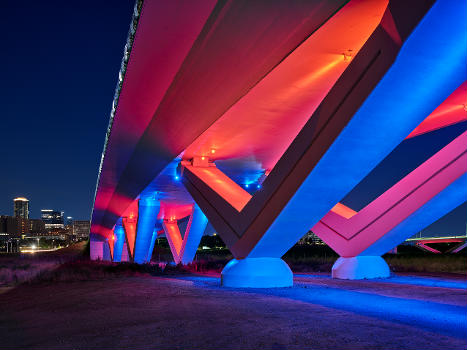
(424, 247)
(441, 240)
(351, 236)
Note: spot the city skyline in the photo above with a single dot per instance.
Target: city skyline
(53, 116)
(13, 212)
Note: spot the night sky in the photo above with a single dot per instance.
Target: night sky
(60, 63)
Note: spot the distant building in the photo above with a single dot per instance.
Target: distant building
(81, 228)
(21, 208)
(52, 219)
(69, 221)
(60, 233)
(3, 225)
(14, 226)
(310, 238)
(36, 226)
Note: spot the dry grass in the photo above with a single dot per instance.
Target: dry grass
(72, 264)
(21, 268)
(14, 274)
(87, 270)
(454, 263)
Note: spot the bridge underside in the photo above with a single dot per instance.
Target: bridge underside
(262, 117)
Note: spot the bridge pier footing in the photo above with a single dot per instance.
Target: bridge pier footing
(257, 273)
(360, 267)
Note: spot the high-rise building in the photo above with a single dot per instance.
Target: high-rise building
(69, 221)
(52, 218)
(81, 228)
(21, 208)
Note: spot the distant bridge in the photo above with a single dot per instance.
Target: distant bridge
(421, 242)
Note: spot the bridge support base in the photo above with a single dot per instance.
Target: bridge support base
(257, 273)
(360, 267)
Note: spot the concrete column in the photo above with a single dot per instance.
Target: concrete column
(106, 251)
(193, 235)
(184, 249)
(118, 241)
(151, 246)
(125, 255)
(129, 225)
(148, 208)
(96, 247)
(174, 238)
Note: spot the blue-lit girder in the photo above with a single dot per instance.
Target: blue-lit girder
(432, 63)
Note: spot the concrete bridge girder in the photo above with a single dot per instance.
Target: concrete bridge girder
(255, 229)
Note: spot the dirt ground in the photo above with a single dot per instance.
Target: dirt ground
(194, 312)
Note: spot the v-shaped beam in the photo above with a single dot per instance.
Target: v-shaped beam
(373, 230)
(130, 224)
(184, 249)
(331, 154)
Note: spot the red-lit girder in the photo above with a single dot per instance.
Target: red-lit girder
(263, 123)
(452, 110)
(235, 195)
(191, 61)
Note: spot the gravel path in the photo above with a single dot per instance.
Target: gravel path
(195, 313)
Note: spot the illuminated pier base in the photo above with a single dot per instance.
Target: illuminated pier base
(360, 267)
(257, 273)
